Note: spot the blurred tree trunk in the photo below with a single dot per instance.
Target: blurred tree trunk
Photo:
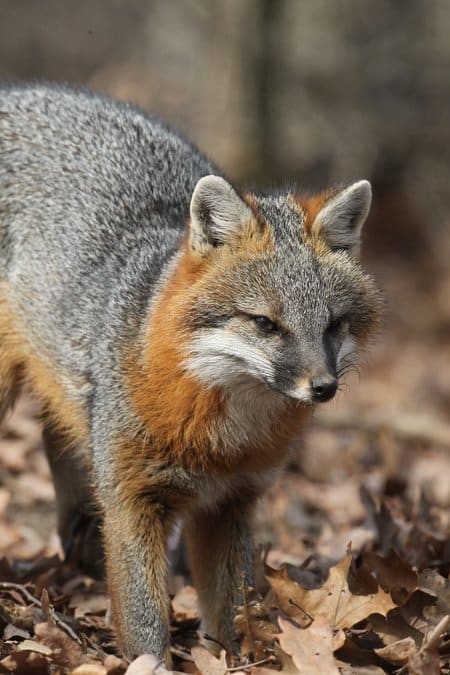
(263, 72)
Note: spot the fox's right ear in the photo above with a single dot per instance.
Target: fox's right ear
(342, 218)
(217, 213)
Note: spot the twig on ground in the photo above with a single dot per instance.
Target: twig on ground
(249, 665)
(181, 654)
(8, 585)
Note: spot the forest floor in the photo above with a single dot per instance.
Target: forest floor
(353, 569)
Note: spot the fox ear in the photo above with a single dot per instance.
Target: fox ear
(217, 213)
(341, 220)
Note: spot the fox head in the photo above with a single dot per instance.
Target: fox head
(281, 299)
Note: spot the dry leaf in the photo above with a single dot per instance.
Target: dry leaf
(11, 631)
(89, 603)
(433, 583)
(33, 646)
(253, 625)
(207, 663)
(114, 665)
(89, 669)
(287, 593)
(25, 662)
(185, 605)
(394, 628)
(393, 574)
(311, 649)
(35, 487)
(398, 652)
(334, 601)
(5, 497)
(14, 453)
(66, 652)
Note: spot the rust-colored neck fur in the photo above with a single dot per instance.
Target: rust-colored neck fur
(175, 409)
(181, 415)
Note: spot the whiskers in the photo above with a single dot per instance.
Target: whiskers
(348, 364)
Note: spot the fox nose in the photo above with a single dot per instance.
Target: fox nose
(324, 387)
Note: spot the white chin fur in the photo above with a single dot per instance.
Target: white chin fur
(302, 394)
(219, 358)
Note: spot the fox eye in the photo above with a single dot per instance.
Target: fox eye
(265, 324)
(336, 324)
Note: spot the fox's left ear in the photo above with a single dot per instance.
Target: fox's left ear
(340, 221)
(217, 214)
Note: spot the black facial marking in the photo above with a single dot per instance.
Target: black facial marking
(330, 355)
(265, 324)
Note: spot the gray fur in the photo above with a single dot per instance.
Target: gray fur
(216, 212)
(94, 198)
(303, 292)
(342, 219)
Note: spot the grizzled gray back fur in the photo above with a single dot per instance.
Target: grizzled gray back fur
(94, 195)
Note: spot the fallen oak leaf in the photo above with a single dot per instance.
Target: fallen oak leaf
(432, 583)
(398, 653)
(333, 600)
(286, 592)
(65, 651)
(356, 654)
(114, 665)
(253, 626)
(288, 666)
(434, 639)
(395, 628)
(393, 574)
(426, 661)
(25, 662)
(89, 603)
(311, 649)
(207, 663)
(185, 605)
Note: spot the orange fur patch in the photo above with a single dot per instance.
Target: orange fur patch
(175, 408)
(17, 357)
(311, 207)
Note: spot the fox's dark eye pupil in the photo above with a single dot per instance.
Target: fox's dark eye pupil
(335, 325)
(265, 324)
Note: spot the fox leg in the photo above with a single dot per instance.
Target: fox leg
(136, 535)
(222, 558)
(79, 522)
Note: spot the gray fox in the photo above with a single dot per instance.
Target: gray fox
(177, 331)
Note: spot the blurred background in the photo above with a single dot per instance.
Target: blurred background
(311, 92)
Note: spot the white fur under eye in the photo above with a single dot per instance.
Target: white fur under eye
(218, 358)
